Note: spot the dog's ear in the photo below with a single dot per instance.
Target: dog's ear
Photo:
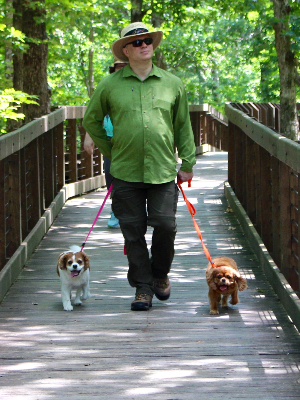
(62, 261)
(210, 276)
(86, 259)
(241, 282)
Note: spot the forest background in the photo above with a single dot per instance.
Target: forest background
(223, 51)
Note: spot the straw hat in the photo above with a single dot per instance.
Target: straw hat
(130, 31)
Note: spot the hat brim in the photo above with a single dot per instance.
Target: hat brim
(117, 46)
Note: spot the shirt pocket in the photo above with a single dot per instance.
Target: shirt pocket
(162, 97)
(124, 98)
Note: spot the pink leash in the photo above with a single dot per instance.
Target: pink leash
(97, 216)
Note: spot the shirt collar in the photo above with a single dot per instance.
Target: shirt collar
(155, 71)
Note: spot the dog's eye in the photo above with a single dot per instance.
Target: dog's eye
(79, 261)
(228, 277)
(70, 262)
(219, 276)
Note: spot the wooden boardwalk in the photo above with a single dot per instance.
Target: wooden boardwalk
(175, 351)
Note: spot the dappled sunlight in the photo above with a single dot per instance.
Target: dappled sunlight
(176, 350)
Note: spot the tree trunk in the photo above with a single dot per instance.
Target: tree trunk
(137, 10)
(35, 59)
(287, 69)
(8, 20)
(91, 62)
(17, 61)
(18, 54)
(159, 55)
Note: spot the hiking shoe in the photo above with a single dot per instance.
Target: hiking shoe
(142, 302)
(113, 221)
(162, 288)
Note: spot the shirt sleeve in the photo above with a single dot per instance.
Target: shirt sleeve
(93, 121)
(184, 137)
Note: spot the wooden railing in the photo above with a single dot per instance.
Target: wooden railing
(263, 171)
(43, 164)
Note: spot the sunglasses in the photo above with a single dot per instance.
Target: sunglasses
(139, 42)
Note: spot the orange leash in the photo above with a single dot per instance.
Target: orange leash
(192, 211)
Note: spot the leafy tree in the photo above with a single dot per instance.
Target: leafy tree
(10, 102)
(287, 35)
(223, 51)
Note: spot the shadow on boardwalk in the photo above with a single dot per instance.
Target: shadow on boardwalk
(176, 351)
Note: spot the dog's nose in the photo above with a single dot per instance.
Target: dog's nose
(75, 266)
(223, 280)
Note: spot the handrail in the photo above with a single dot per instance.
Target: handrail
(18, 139)
(264, 173)
(281, 147)
(43, 164)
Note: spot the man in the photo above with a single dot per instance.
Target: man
(150, 115)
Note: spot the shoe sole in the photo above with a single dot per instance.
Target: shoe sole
(162, 298)
(140, 306)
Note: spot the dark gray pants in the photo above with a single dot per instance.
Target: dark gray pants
(137, 205)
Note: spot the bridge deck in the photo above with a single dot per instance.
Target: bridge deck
(176, 351)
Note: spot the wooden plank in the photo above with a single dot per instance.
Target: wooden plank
(49, 167)
(275, 177)
(286, 150)
(266, 199)
(177, 350)
(2, 214)
(71, 145)
(60, 155)
(13, 206)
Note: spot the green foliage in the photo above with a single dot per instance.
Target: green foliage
(69, 26)
(10, 101)
(223, 51)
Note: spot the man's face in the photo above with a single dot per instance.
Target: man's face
(138, 54)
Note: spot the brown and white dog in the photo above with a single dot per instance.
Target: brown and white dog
(223, 280)
(73, 269)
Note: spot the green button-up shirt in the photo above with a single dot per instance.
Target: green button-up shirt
(149, 118)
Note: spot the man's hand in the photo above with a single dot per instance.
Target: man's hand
(88, 144)
(183, 176)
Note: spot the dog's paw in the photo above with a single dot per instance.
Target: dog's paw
(77, 302)
(68, 307)
(214, 312)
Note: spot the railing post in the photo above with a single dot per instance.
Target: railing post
(71, 151)
(60, 155)
(285, 220)
(250, 197)
(240, 172)
(86, 159)
(12, 203)
(33, 175)
(2, 214)
(275, 177)
(49, 167)
(231, 154)
(266, 199)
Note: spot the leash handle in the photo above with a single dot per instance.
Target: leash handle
(192, 211)
(97, 216)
